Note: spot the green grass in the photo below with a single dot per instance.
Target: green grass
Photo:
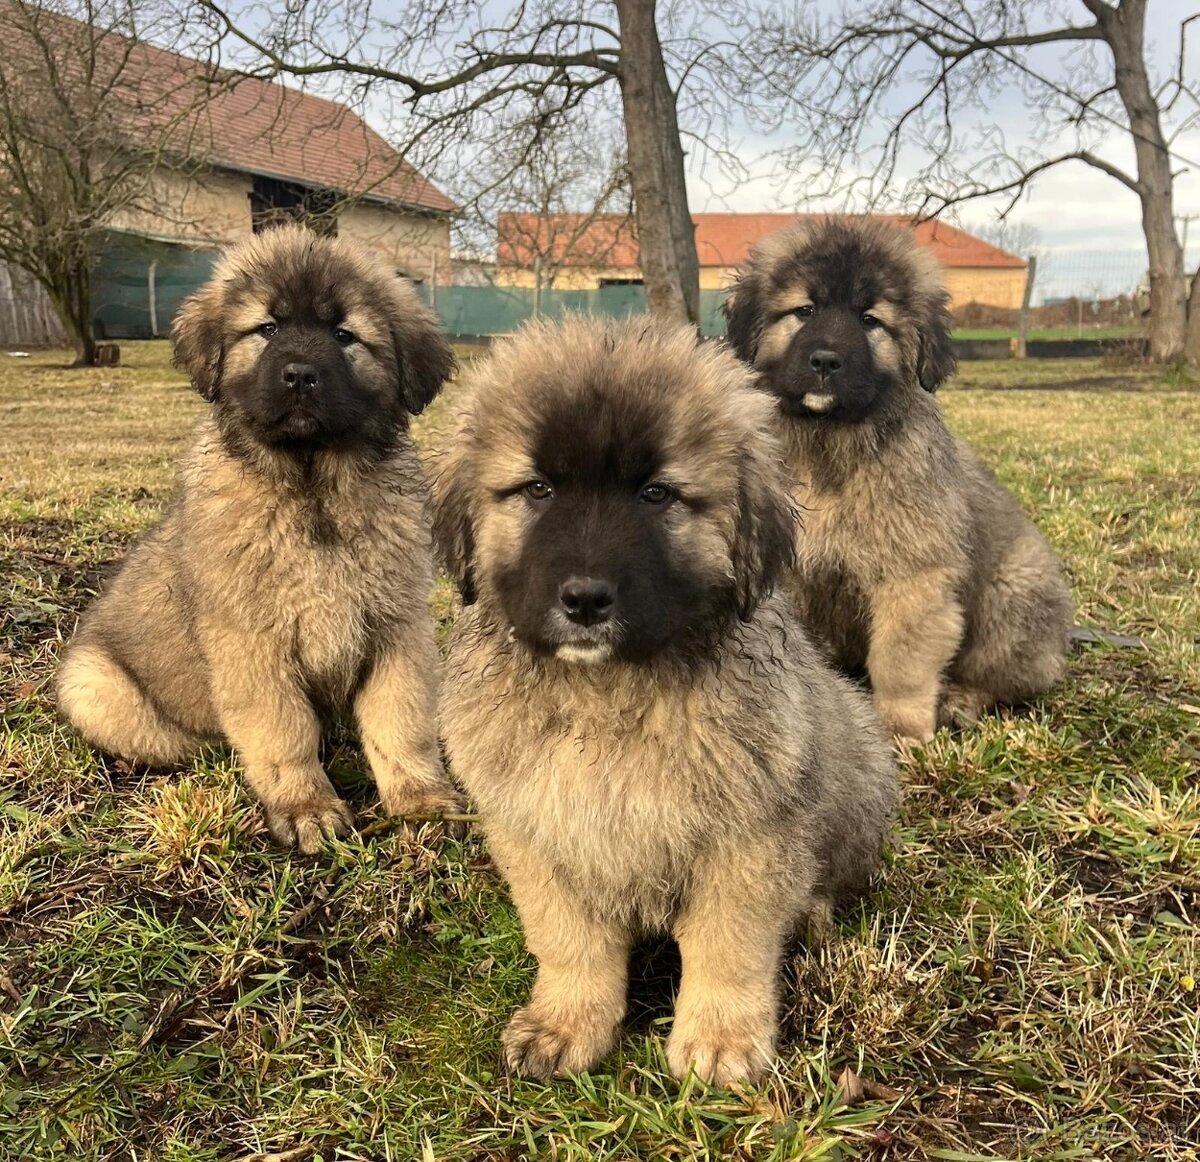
(1022, 979)
(1087, 331)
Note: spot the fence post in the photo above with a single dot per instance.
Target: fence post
(1023, 319)
(537, 286)
(152, 297)
(433, 284)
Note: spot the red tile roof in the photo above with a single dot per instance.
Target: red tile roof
(721, 240)
(247, 125)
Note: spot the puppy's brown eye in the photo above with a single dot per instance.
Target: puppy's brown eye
(803, 312)
(268, 329)
(344, 337)
(870, 322)
(538, 490)
(655, 494)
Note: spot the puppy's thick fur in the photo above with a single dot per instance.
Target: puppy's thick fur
(915, 565)
(291, 573)
(652, 741)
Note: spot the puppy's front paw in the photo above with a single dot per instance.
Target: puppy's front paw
(309, 824)
(720, 1054)
(910, 721)
(540, 1049)
(407, 800)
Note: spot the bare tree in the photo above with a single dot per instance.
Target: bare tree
(88, 121)
(465, 74)
(931, 71)
(564, 202)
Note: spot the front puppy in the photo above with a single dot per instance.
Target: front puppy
(291, 573)
(650, 738)
(916, 565)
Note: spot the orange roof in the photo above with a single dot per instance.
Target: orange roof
(247, 125)
(723, 240)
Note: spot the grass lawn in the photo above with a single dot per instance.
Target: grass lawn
(1038, 333)
(1022, 983)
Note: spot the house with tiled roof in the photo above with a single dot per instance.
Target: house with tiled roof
(260, 151)
(570, 252)
(239, 154)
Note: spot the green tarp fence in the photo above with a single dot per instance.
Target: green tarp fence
(139, 284)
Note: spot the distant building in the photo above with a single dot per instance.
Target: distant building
(262, 152)
(237, 155)
(570, 252)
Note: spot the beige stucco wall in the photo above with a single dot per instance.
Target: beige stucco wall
(412, 243)
(214, 208)
(568, 278)
(993, 288)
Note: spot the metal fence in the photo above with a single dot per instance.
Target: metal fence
(496, 310)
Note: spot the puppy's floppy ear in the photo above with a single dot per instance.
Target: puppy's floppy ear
(743, 318)
(198, 341)
(936, 360)
(424, 360)
(453, 525)
(764, 537)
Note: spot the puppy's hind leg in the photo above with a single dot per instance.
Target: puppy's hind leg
(1017, 642)
(105, 703)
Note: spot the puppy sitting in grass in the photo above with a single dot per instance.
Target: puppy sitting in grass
(291, 573)
(653, 744)
(916, 565)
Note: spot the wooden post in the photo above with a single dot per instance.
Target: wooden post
(1023, 318)
(152, 299)
(537, 286)
(433, 284)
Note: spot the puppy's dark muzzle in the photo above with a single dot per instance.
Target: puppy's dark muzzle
(587, 600)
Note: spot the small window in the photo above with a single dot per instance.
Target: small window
(274, 202)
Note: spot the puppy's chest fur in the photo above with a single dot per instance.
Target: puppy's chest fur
(329, 568)
(609, 778)
(872, 514)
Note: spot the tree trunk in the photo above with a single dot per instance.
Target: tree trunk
(1124, 29)
(1192, 340)
(666, 235)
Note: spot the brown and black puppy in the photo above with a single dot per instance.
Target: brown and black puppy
(291, 573)
(915, 565)
(652, 741)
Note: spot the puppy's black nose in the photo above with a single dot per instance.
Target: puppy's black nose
(587, 600)
(300, 376)
(825, 362)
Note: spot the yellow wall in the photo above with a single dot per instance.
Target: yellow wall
(992, 287)
(209, 208)
(411, 242)
(569, 278)
(214, 209)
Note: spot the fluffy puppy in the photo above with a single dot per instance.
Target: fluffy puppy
(916, 566)
(291, 573)
(653, 743)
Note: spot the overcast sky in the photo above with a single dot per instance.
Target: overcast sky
(1088, 224)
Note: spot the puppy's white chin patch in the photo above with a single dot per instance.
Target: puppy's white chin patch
(817, 401)
(584, 653)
